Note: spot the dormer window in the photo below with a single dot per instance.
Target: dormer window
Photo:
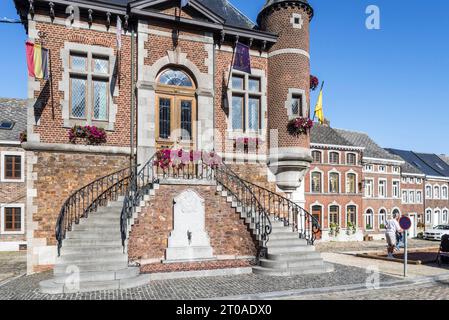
(6, 125)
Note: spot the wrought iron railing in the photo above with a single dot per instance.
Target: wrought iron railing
(287, 211)
(88, 199)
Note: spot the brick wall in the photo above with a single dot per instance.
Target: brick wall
(287, 70)
(53, 130)
(59, 175)
(227, 231)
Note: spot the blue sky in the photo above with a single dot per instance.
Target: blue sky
(392, 83)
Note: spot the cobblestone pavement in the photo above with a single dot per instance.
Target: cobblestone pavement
(12, 264)
(370, 245)
(26, 288)
(431, 291)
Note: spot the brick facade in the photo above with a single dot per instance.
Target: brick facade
(229, 236)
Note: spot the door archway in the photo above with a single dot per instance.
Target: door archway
(176, 110)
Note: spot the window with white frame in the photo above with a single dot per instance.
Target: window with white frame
(404, 180)
(436, 192)
(418, 180)
(12, 166)
(334, 215)
(382, 188)
(429, 192)
(418, 196)
(351, 214)
(334, 158)
(445, 216)
(334, 182)
(316, 182)
(369, 188)
(368, 168)
(396, 170)
(436, 217)
(396, 189)
(382, 218)
(428, 217)
(316, 155)
(351, 159)
(369, 220)
(411, 196)
(444, 192)
(12, 219)
(351, 183)
(246, 103)
(404, 196)
(382, 169)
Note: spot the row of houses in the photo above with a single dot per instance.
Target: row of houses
(352, 187)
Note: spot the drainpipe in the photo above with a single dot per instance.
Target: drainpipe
(132, 158)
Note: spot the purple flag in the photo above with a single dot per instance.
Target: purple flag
(242, 60)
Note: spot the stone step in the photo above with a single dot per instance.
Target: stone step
(282, 230)
(61, 269)
(92, 242)
(286, 264)
(312, 254)
(289, 249)
(284, 236)
(101, 235)
(52, 287)
(94, 250)
(292, 271)
(115, 204)
(94, 228)
(286, 242)
(101, 276)
(80, 258)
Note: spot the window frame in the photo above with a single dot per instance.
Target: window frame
(365, 194)
(330, 157)
(3, 154)
(385, 184)
(247, 95)
(330, 174)
(321, 181)
(317, 152)
(338, 214)
(371, 217)
(348, 154)
(21, 206)
(398, 183)
(348, 174)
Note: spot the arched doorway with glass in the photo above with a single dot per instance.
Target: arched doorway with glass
(176, 110)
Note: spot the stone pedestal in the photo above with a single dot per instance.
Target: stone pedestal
(189, 240)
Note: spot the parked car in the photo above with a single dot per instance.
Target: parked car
(437, 232)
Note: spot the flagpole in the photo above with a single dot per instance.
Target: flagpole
(232, 62)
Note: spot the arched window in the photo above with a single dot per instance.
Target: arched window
(429, 192)
(369, 219)
(436, 217)
(445, 216)
(351, 215)
(382, 218)
(436, 192)
(351, 183)
(334, 158)
(444, 192)
(175, 77)
(428, 216)
(351, 158)
(316, 182)
(334, 215)
(334, 182)
(316, 155)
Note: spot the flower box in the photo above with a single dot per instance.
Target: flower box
(90, 135)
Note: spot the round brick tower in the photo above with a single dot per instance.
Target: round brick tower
(288, 88)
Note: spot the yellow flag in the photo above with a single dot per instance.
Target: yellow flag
(38, 61)
(319, 107)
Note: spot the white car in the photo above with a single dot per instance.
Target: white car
(437, 232)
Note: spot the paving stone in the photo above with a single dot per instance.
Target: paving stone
(26, 288)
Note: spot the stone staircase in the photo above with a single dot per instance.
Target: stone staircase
(288, 255)
(92, 257)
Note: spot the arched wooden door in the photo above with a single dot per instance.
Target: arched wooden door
(176, 110)
(317, 212)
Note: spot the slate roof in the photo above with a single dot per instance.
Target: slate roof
(445, 158)
(435, 162)
(407, 167)
(416, 161)
(13, 110)
(322, 134)
(223, 8)
(372, 149)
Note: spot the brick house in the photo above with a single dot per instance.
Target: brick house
(381, 182)
(334, 185)
(435, 185)
(12, 176)
(170, 86)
